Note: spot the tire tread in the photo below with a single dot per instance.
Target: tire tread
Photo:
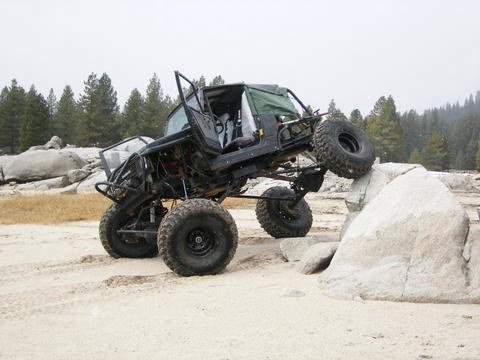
(175, 218)
(327, 154)
(272, 227)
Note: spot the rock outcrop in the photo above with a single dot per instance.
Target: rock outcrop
(77, 175)
(54, 143)
(366, 188)
(41, 164)
(88, 185)
(49, 167)
(456, 182)
(44, 185)
(406, 242)
(471, 254)
(317, 257)
(293, 249)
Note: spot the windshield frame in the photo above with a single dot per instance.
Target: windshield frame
(193, 95)
(105, 162)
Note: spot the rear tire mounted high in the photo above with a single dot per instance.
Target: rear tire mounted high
(343, 148)
(197, 237)
(112, 220)
(279, 219)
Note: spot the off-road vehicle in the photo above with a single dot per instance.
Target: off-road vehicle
(216, 139)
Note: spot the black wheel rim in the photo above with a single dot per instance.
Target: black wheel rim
(288, 211)
(348, 142)
(200, 242)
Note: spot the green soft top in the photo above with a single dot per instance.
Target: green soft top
(270, 99)
(263, 99)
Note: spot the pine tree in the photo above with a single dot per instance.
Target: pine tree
(459, 162)
(52, 110)
(67, 117)
(87, 128)
(478, 158)
(156, 109)
(99, 119)
(412, 129)
(200, 82)
(383, 127)
(335, 113)
(415, 157)
(3, 94)
(34, 129)
(12, 108)
(217, 80)
(471, 153)
(108, 110)
(133, 113)
(357, 118)
(435, 152)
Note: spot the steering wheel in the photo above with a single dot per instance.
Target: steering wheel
(218, 124)
(219, 127)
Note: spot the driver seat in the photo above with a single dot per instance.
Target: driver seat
(239, 143)
(225, 136)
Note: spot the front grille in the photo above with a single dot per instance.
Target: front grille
(127, 178)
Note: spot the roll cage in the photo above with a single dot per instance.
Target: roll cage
(278, 140)
(270, 131)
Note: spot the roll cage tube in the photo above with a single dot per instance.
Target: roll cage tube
(307, 110)
(179, 75)
(105, 163)
(188, 109)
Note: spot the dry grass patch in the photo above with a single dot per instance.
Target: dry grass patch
(52, 209)
(232, 203)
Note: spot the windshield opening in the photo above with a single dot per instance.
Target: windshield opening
(178, 120)
(114, 156)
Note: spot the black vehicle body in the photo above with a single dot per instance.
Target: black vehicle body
(191, 163)
(217, 139)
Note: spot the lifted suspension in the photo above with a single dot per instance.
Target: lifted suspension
(310, 179)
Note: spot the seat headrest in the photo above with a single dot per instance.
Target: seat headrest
(224, 117)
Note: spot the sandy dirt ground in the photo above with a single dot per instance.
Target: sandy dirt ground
(62, 297)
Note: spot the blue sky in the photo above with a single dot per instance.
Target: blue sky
(424, 53)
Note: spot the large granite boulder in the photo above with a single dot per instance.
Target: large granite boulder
(54, 143)
(406, 244)
(77, 175)
(89, 154)
(44, 185)
(317, 257)
(4, 161)
(455, 181)
(367, 187)
(88, 185)
(293, 249)
(471, 254)
(41, 164)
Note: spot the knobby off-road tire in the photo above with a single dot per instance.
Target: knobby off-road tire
(197, 237)
(116, 246)
(279, 219)
(343, 148)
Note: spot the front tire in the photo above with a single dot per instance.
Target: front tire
(343, 148)
(121, 246)
(197, 237)
(279, 218)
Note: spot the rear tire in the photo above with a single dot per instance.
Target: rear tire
(343, 148)
(197, 237)
(112, 220)
(280, 220)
